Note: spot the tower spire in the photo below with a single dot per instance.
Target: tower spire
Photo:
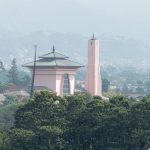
(53, 48)
(93, 37)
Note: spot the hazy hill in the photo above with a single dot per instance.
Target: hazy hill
(119, 51)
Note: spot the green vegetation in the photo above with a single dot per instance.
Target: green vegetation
(127, 80)
(10, 100)
(13, 72)
(105, 85)
(7, 116)
(3, 87)
(50, 122)
(7, 112)
(13, 76)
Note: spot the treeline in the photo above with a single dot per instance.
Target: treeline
(79, 122)
(17, 76)
(13, 76)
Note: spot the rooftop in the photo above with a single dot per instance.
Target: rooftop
(54, 59)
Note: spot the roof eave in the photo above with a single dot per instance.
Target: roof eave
(53, 66)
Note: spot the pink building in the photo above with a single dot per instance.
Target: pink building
(56, 72)
(93, 82)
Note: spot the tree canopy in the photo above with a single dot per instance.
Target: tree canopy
(50, 122)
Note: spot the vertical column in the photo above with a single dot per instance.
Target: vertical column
(59, 88)
(93, 83)
(72, 83)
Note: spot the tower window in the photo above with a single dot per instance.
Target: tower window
(66, 85)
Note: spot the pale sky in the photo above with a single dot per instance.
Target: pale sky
(114, 17)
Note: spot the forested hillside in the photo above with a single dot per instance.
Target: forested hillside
(115, 50)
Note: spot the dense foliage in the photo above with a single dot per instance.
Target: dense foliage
(7, 115)
(13, 72)
(79, 122)
(105, 85)
(13, 76)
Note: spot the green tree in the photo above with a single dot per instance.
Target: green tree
(7, 115)
(3, 87)
(100, 125)
(26, 80)
(42, 120)
(4, 144)
(22, 139)
(10, 100)
(140, 90)
(140, 125)
(50, 122)
(105, 85)
(76, 106)
(147, 85)
(125, 89)
(13, 72)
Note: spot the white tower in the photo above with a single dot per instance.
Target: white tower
(93, 81)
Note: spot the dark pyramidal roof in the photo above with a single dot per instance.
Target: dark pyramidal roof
(54, 59)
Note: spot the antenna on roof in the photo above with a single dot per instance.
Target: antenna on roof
(33, 75)
(53, 48)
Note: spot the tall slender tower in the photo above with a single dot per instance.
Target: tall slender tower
(93, 81)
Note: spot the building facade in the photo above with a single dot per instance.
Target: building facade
(56, 72)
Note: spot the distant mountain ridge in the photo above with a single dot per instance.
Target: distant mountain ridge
(119, 51)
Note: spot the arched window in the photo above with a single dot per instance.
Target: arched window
(66, 85)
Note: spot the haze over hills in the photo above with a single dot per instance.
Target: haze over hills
(115, 50)
(27, 22)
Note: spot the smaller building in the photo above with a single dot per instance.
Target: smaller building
(56, 72)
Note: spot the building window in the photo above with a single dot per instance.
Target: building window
(66, 85)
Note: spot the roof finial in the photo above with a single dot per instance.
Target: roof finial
(93, 37)
(53, 48)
